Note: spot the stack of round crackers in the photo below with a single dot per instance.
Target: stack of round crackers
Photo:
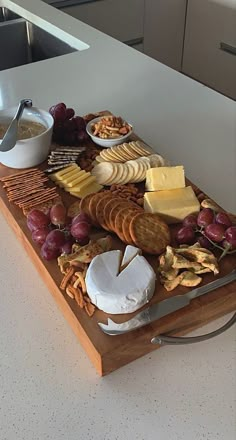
(128, 221)
(132, 171)
(123, 152)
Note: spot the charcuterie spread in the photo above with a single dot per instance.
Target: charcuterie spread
(116, 224)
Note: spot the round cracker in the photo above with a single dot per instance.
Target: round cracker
(149, 233)
(119, 219)
(110, 204)
(122, 153)
(126, 224)
(84, 203)
(124, 176)
(108, 155)
(116, 174)
(93, 204)
(114, 211)
(129, 151)
(103, 172)
(141, 151)
(100, 210)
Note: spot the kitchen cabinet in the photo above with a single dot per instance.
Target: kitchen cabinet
(155, 27)
(121, 19)
(164, 23)
(210, 44)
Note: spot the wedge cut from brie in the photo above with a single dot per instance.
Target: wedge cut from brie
(117, 292)
(129, 254)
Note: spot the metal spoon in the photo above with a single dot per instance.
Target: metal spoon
(10, 137)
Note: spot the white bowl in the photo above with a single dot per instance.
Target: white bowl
(108, 142)
(28, 152)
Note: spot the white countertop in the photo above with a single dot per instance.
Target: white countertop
(49, 389)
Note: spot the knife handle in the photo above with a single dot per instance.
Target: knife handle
(173, 340)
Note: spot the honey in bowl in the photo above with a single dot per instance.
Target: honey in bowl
(26, 129)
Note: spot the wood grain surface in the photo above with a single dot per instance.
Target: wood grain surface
(108, 353)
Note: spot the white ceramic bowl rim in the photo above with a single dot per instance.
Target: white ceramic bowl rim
(89, 131)
(38, 111)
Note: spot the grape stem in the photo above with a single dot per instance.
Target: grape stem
(224, 250)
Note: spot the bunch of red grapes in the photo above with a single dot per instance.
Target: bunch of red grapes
(68, 129)
(210, 229)
(54, 233)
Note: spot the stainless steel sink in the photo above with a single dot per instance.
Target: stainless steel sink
(22, 42)
(6, 14)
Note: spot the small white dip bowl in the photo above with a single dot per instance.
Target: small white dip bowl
(28, 152)
(108, 142)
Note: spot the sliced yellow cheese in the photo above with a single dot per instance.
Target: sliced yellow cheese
(80, 177)
(70, 176)
(172, 205)
(162, 178)
(81, 185)
(93, 187)
(58, 174)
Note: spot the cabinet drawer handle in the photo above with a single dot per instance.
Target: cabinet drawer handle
(228, 48)
(134, 41)
(67, 3)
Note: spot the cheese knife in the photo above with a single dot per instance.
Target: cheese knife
(163, 308)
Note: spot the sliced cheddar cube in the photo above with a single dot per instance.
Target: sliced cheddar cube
(172, 205)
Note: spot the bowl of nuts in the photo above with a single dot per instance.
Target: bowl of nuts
(108, 131)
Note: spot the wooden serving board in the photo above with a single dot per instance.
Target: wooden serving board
(108, 353)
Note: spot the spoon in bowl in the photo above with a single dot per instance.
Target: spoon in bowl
(10, 137)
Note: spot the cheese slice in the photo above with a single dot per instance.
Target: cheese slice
(172, 205)
(84, 183)
(162, 178)
(58, 174)
(65, 179)
(123, 292)
(93, 187)
(82, 175)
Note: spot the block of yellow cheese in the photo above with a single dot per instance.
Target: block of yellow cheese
(162, 178)
(172, 205)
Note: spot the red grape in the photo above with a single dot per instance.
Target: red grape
(39, 235)
(31, 225)
(79, 122)
(205, 217)
(185, 235)
(223, 219)
(49, 253)
(82, 136)
(230, 236)
(69, 125)
(81, 217)
(66, 248)
(58, 111)
(204, 242)
(38, 219)
(69, 137)
(190, 220)
(58, 214)
(70, 113)
(80, 230)
(55, 239)
(215, 232)
(83, 241)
